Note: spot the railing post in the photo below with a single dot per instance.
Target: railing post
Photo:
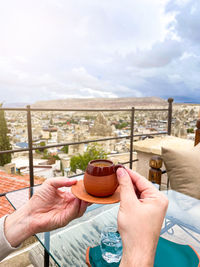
(170, 101)
(132, 136)
(30, 145)
(155, 172)
(197, 133)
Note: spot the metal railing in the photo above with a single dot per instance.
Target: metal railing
(30, 148)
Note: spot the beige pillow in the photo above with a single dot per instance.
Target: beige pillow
(183, 169)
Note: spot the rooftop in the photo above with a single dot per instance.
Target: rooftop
(22, 144)
(11, 182)
(154, 145)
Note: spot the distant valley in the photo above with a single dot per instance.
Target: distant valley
(112, 103)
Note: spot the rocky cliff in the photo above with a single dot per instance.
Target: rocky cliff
(112, 103)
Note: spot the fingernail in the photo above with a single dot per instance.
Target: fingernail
(121, 172)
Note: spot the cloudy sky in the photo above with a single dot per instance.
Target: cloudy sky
(54, 49)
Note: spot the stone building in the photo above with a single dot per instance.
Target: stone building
(78, 148)
(50, 133)
(179, 129)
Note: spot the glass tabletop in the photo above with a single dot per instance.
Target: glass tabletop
(68, 245)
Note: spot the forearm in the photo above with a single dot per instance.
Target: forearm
(137, 259)
(17, 226)
(141, 255)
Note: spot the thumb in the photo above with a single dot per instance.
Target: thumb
(127, 192)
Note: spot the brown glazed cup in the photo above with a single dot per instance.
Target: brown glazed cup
(100, 178)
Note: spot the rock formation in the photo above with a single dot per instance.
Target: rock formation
(101, 126)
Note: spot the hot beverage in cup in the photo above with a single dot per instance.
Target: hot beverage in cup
(100, 178)
(101, 164)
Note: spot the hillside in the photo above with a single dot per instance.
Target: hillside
(83, 103)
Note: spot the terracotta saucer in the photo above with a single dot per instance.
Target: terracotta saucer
(79, 191)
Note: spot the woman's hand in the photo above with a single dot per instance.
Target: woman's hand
(48, 209)
(51, 208)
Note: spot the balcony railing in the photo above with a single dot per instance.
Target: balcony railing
(132, 110)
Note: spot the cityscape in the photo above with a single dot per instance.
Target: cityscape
(57, 127)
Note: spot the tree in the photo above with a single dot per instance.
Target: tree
(4, 140)
(65, 149)
(121, 125)
(94, 151)
(190, 130)
(51, 121)
(41, 150)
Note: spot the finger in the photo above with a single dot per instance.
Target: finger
(60, 182)
(127, 192)
(141, 183)
(82, 208)
(69, 196)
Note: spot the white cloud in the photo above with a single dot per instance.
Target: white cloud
(88, 92)
(161, 54)
(58, 49)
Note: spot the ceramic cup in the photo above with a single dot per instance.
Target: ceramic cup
(100, 178)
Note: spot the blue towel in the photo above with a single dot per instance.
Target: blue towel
(168, 254)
